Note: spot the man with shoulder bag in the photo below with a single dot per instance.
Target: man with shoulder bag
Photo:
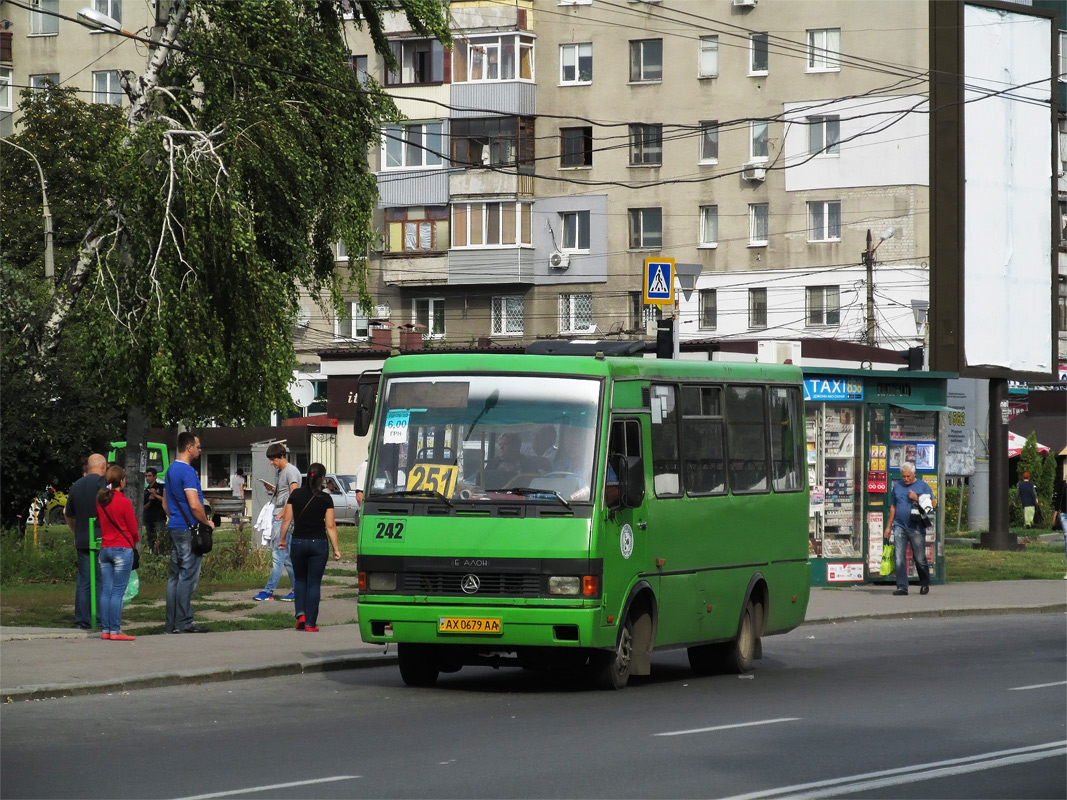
(185, 504)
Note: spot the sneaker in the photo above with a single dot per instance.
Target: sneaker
(924, 590)
(289, 597)
(311, 629)
(300, 624)
(264, 595)
(899, 593)
(122, 637)
(105, 635)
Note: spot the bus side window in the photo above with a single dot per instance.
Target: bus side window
(746, 438)
(703, 450)
(787, 436)
(624, 450)
(666, 475)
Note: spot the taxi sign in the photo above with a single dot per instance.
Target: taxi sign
(659, 281)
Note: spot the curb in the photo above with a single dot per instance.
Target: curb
(1053, 608)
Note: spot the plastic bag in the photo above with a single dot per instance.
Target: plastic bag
(132, 588)
(888, 564)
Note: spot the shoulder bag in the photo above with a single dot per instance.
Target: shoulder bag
(202, 535)
(136, 552)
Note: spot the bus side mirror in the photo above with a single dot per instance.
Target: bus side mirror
(627, 490)
(366, 399)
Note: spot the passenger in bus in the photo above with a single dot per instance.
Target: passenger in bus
(508, 463)
(543, 445)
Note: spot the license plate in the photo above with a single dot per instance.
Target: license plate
(468, 625)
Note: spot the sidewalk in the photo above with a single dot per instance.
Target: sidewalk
(38, 663)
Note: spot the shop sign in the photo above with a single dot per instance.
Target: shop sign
(830, 389)
(844, 573)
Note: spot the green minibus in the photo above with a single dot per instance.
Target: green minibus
(580, 511)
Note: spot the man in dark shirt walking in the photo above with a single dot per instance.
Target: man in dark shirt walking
(81, 507)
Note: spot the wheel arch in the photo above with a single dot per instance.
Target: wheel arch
(756, 592)
(642, 597)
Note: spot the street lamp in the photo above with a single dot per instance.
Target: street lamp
(49, 260)
(100, 21)
(868, 262)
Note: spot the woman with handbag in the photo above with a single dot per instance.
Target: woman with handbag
(118, 552)
(311, 511)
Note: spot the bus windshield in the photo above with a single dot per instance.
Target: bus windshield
(486, 438)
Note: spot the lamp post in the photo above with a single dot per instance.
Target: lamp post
(100, 21)
(49, 259)
(868, 262)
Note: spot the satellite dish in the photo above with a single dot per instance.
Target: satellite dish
(302, 392)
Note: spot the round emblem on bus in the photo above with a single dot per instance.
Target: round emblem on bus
(626, 540)
(470, 583)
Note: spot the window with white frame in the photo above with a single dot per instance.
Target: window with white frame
(6, 100)
(575, 313)
(823, 305)
(759, 54)
(642, 314)
(43, 19)
(507, 314)
(412, 145)
(646, 60)
(576, 64)
(708, 65)
(416, 229)
(708, 318)
(574, 226)
(421, 61)
(430, 313)
(758, 224)
(757, 308)
(40, 82)
(646, 145)
(824, 221)
(109, 8)
(507, 57)
(824, 50)
(824, 135)
(758, 147)
(1063, 57)
(503, 224)
(340, 250)
(106, 88)
(646, 228)
(353, 323)
(576, 147)
(709, 142)
(709, 226)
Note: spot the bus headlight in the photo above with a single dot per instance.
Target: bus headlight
(567, 585)
(381, 581)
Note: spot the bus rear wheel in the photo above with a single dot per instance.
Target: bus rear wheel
(418, 664)
(739, 654)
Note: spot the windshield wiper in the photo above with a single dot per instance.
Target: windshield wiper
(428, 493)
(526, 491)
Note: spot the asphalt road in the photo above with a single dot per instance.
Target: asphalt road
(958, 708)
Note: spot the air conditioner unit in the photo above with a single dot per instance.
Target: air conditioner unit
(745, 3)
(777, 351)
(753, 172)
(559, 261)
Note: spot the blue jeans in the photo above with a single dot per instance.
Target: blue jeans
(901, 538)
(309, 563)
(116, 564)
(280, 559)
(184, 576)
(82, 604)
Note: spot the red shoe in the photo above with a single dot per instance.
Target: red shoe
(105, 635)
(122, 637)
(311, 629)
(300, 623)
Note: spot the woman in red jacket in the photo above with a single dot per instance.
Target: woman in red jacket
(118, 527)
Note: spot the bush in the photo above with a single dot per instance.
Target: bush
(956, 504)
(52, 560)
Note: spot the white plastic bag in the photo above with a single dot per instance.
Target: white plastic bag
(264, 523)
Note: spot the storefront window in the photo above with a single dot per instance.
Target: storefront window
(832, 471)
(218, 470)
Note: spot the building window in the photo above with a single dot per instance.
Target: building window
(759, 149)
(491, 224)
(708, 66)
(1063, 57)
(109, 8)
(709, 142)
(496, 141)
(824, 50)
(575, 231)
(758, 223)
(709, 226)
(575, 313)
(1063, 304)
(576, 147)
(824, 135)
(411, 145)
(576, 64)
(641, 315)
(646, 60)
(758, 54)
(824, 221)
(494, 58)
(340, 250)
(40, 82)
(418, 229)
(646, 145)
(44, 22)
(5, 90)
(354, 323)
(709, 310)
(757, 308)
(106, 88)
(507, 315)
(429, 312)
(824, 305)
(421, 61)
(359, 65)
(646, 228)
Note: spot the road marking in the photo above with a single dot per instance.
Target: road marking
(853, 784)
(272, 787)
(1036, 686)
(728, 727)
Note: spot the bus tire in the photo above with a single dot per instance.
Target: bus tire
(611, 668)
(739, 653)
(418, 664)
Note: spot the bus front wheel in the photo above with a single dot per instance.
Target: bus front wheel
(418, 664)
(611, 668)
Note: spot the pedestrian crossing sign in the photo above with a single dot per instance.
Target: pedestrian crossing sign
(659, 281)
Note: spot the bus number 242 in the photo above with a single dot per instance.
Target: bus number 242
(390, 530)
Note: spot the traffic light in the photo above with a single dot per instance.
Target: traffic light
(914, 357)
(665, 338)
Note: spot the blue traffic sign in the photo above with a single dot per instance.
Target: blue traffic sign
(659, 281)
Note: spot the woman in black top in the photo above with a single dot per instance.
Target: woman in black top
(311, 512)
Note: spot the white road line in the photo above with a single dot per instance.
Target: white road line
(912, 774)
(272, 787)
(1036, 686)
(728, 727)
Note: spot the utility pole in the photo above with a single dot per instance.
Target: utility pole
(868, 262)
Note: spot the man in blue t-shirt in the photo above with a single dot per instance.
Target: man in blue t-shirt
(185, 504)
(907, 521)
